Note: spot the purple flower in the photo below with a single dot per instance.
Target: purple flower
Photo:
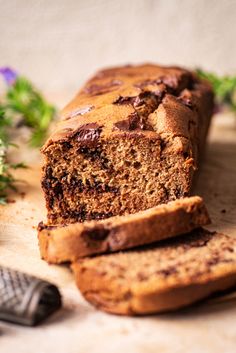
(9, 75)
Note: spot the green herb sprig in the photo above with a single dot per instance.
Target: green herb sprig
(224, 88)
(24, 101)
(7, 180)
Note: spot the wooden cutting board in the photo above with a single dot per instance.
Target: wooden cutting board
(78, 327)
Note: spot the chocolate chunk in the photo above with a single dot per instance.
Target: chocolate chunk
(137, 165)
(80, 111)
(57, 189)
(88, 134)
(144, 104)
(186, 101)
(133, 122)
(125, 100)
(177, 83)
(168, 271)
(169, 81)
(185, 97)
(147, 102)
(142, 99)
(49, 180)
(96, 234)
(96, 89)
(135, 101)
(173, 84)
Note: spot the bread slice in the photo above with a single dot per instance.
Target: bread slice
(171, 275)
(130, 140)
(61, 244)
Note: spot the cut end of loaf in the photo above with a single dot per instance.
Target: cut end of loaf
(119, 176)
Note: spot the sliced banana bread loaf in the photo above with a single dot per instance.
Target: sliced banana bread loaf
(128, 141)
(174, 274)
(62, 244)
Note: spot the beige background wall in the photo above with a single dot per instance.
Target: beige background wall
(59, 43)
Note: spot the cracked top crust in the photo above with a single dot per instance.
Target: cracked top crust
(145, 99)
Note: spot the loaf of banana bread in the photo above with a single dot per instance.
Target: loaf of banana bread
(128, 141)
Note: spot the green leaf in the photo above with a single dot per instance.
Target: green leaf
(7, 180)
(37, 137)
(24, 100)
(224, 88)
(3, 200)
(19, 166)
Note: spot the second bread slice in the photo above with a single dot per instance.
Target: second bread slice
(69, 243)
(160, 278)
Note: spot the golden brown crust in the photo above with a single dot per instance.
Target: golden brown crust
(172, 275)
(162, 302)
(100, 100)
(63, 244)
